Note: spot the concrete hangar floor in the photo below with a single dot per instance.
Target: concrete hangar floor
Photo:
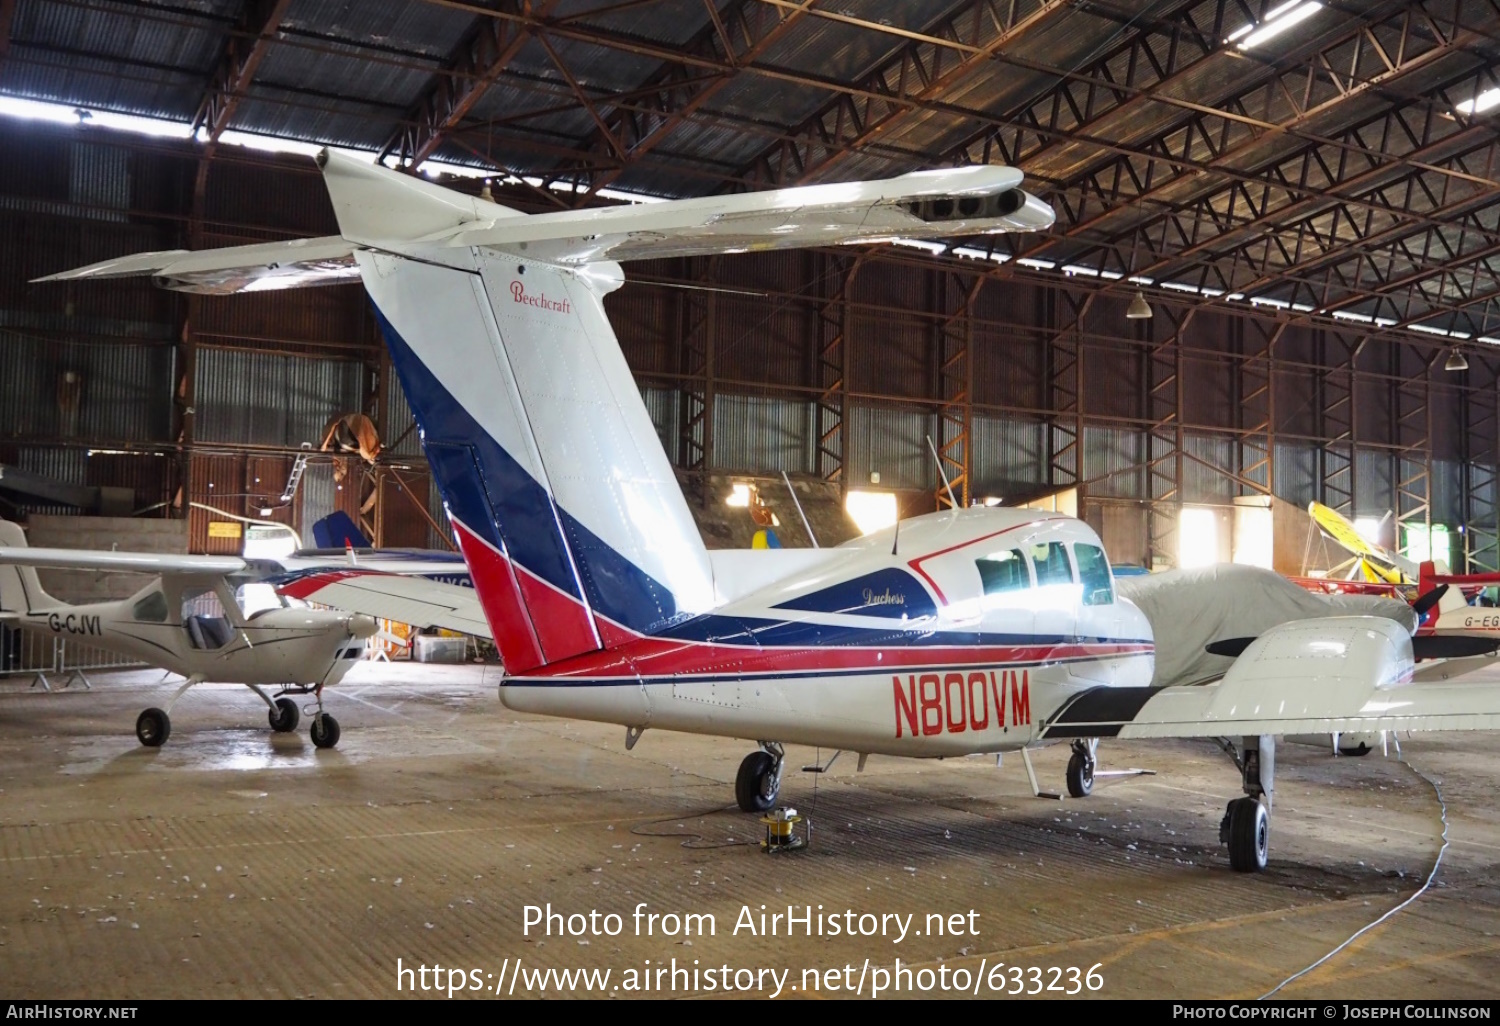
(238, 863)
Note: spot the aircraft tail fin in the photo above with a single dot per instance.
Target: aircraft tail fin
(562, 500)
(20, 589)
(337, 530)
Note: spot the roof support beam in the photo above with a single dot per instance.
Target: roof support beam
(246, 47)
(480, 58)
(923, 69)
(735, 36)
(1371, 56)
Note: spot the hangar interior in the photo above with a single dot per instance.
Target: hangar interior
(1273, 277)
(1308, 219)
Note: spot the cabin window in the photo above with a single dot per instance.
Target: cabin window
(1052, 565)
(151, 608)
(1004, 571)
(204, 620)
(1093, 572)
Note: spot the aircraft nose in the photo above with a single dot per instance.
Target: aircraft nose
(362, 626)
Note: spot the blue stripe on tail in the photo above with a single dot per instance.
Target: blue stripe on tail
(494, 496)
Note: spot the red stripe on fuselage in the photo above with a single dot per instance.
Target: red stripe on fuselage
(660, 657)
(916, 564)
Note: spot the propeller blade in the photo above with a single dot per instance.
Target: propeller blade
(1452, 646)
(1231, 647)
(1424, 603)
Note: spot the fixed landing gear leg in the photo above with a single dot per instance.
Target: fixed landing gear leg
(757, 785)
(1036, 787)
(1246, 827)
(154, 726)
(325, 729)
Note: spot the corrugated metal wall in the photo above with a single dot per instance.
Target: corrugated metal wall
(94, 392)
(271, 399)
(754, 433)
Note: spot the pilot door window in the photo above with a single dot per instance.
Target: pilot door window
(1003, 572)
(1052, 565)
(1054, 576)
(204, 620)
(1093, 572)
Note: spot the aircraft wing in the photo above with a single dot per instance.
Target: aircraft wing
(382, 211)
(122, 562)
(414, 600)
(949, 202)
(257, 267)
(1306, 677)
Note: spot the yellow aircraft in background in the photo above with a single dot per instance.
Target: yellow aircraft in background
(1372, 563)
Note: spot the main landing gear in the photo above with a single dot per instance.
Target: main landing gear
(758, 783)
(1081, 767)
(154, 726)
(1246, 827)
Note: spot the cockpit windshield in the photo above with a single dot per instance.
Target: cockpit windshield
(255, 597)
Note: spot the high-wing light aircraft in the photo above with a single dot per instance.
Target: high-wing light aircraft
(202, 618)
(976, 630)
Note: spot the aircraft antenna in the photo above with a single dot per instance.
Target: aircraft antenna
(798, 503)
(933, 449)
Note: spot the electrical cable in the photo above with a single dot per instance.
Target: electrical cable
(1443, 811)
(640, 830)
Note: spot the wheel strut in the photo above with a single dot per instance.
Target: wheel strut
(1246, 826)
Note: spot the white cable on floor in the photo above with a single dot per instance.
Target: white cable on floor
(1443, 809)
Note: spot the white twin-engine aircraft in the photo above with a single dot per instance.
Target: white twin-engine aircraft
(202, 617)
(976, 630)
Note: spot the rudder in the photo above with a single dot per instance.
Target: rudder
(567, 511)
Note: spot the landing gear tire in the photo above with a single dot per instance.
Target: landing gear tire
(1248, 830)
(325, 731)
(757, 784)
(284, 717)
(1080, 775)
(152, 728)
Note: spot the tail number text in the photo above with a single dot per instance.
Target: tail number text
(932, 703)
(73, 623)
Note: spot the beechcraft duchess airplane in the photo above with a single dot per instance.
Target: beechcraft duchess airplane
(976, 630)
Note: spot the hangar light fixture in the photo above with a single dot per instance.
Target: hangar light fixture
(1456, 362)
(1139, 309)
(1481, 103)
(1277, 21)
